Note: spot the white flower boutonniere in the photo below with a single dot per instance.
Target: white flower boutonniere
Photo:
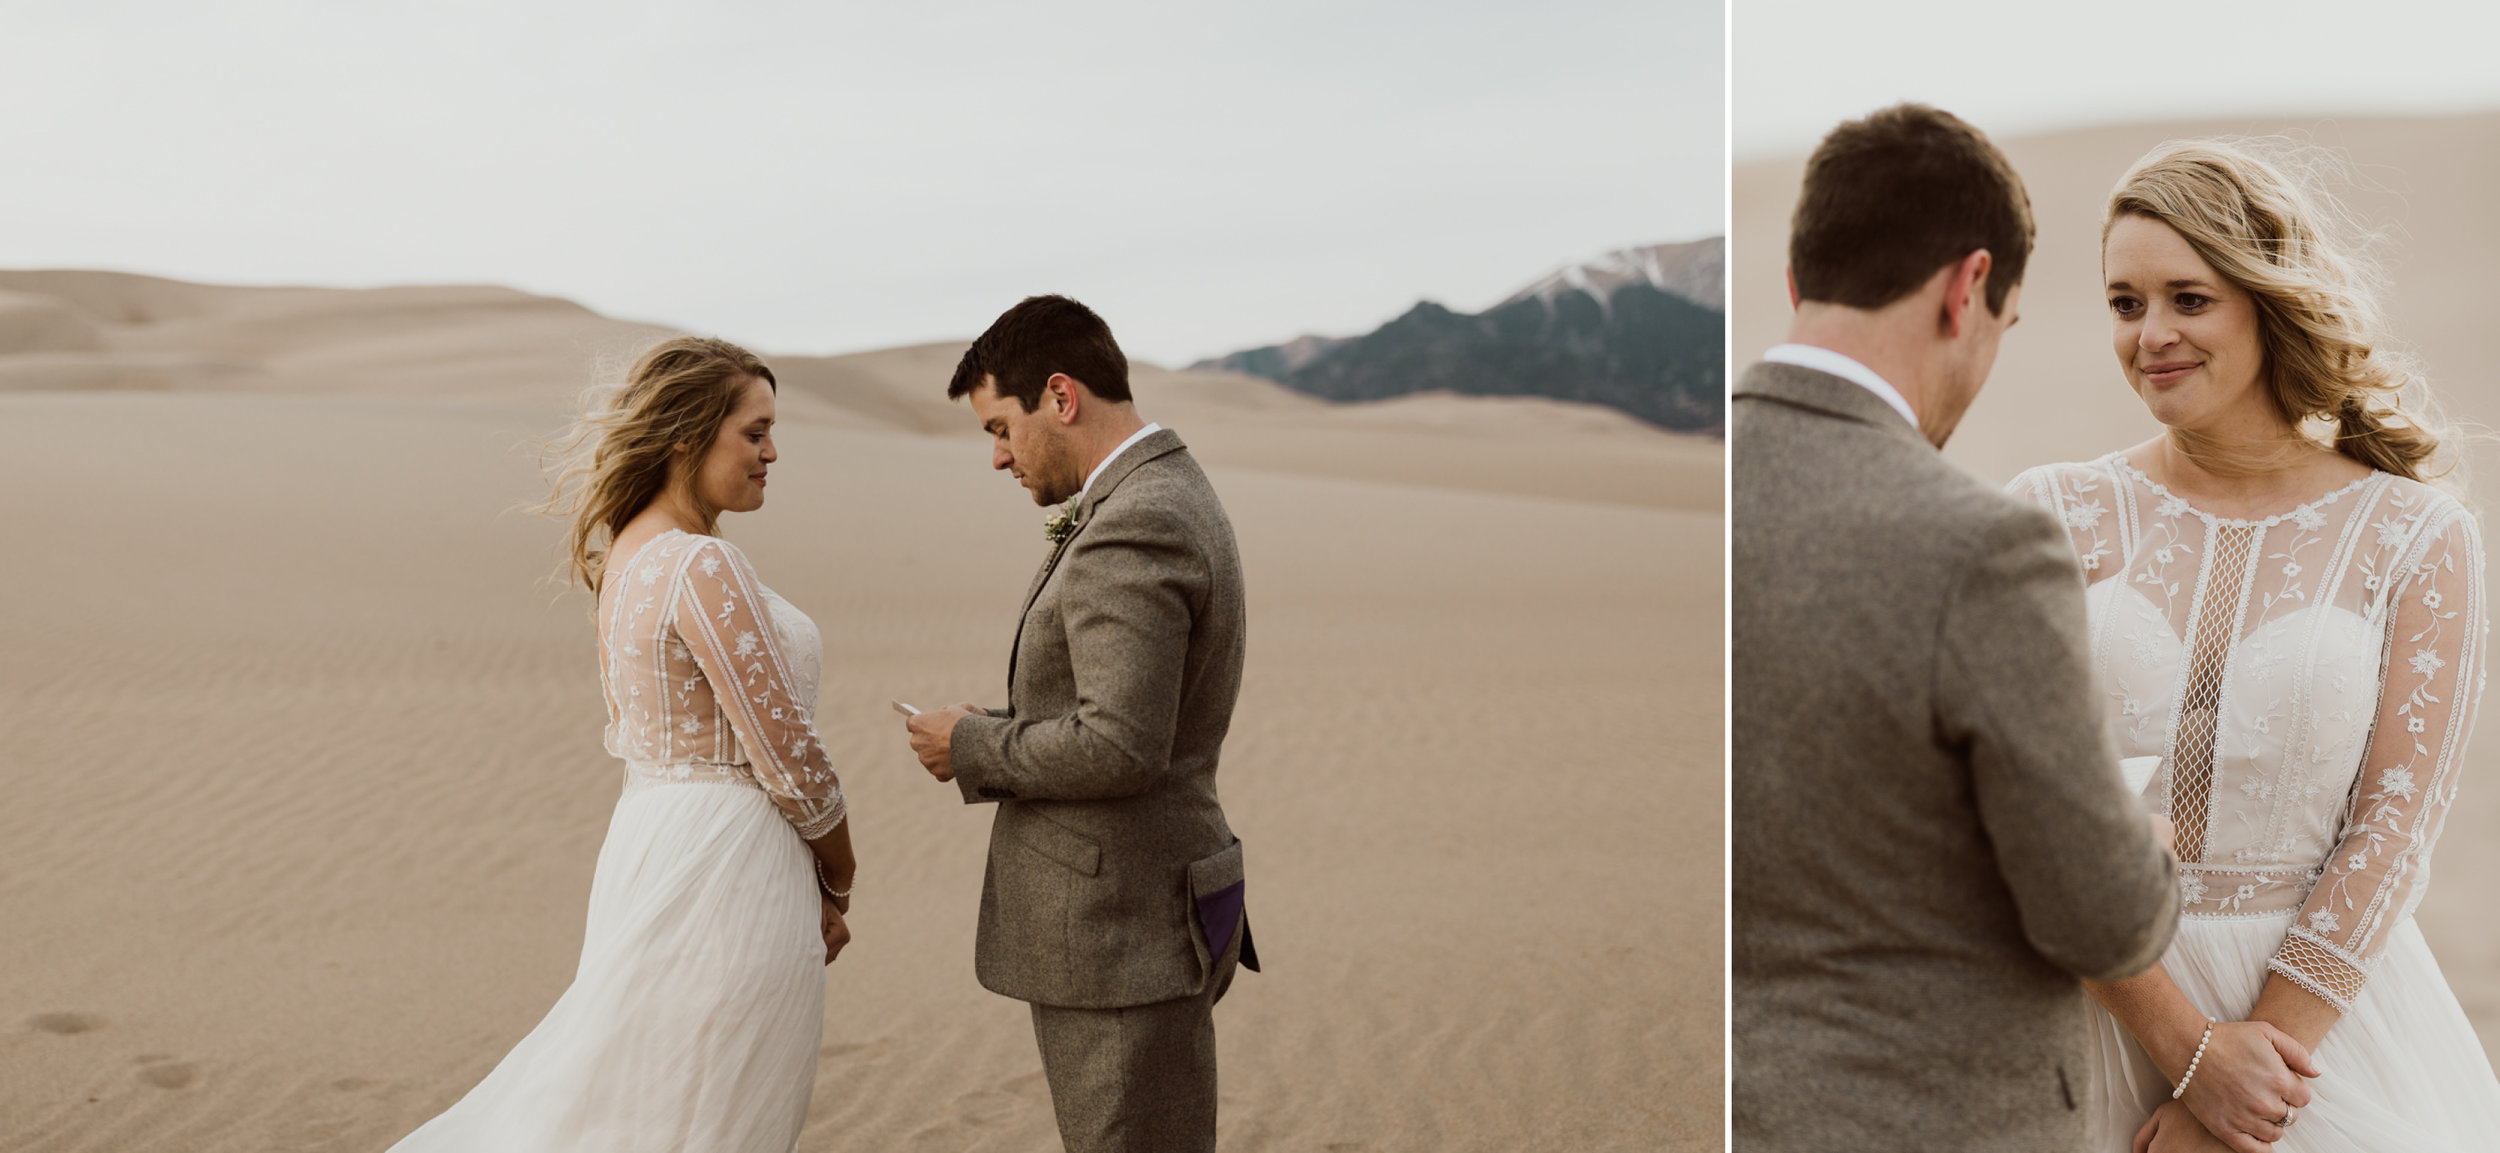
(1060, 525)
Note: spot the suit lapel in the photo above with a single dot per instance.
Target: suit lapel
(1043, 573)
(1163, 441)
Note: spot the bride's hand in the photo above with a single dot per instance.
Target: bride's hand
(2172, 1129)
(837, 931)
(2252, 1075)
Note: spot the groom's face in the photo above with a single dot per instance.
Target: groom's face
(1030, 445)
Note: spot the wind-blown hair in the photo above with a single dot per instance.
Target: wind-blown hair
(614, 461)
(2259, 212)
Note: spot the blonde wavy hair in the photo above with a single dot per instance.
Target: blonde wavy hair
(2259, 211)
(614, 461)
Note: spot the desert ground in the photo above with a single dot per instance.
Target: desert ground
(304, 784)
(2056, 393)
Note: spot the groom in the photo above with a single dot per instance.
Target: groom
(1930, 844)
(1114, 898)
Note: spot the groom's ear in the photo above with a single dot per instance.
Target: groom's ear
(1965, 292)
(1064, 400)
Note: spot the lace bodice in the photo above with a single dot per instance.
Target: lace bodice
(2308, 680)
(684, 616)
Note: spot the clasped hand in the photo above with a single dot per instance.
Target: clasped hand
(837, 931)
(2252, 1077)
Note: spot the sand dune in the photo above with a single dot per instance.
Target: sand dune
(101, 331)
(2056, 393)
(166, 335)
(305, 781)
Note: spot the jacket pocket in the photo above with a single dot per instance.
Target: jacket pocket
(1059, 843)
(1216, 872)
(1215, 900)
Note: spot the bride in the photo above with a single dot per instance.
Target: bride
(2291, 617)
(693, 1021)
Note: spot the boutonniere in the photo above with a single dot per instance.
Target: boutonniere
(1061, 525)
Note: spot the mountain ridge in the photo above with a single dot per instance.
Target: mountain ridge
(1641, 330)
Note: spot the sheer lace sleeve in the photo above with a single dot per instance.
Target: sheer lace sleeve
(2430, 685)
(719, 611)
(2078, 497)
(2032, 484)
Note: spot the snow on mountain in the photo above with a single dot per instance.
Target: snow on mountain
(1696, 271)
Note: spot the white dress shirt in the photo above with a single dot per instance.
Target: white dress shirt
(1134, 437)
(1845, 367)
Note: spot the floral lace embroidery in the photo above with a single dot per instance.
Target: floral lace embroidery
(684, 618)
(2343, 701)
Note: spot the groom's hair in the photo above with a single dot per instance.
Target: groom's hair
(1890, 199)
(1039, 336)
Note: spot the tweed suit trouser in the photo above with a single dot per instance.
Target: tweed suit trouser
(1139, 1079)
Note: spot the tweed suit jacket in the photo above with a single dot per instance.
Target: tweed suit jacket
(1931, 837)
(1121, 688)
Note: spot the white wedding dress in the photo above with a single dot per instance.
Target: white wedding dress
(693, 1021)
(2310, 681)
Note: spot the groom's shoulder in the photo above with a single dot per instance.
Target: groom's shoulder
(1847, 478)
(1174, 465)
(1990, 516)
(1169, 485)
(1961, 519)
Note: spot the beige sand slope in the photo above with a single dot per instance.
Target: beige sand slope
(305, 787)
(102, 331)
(2056, 393)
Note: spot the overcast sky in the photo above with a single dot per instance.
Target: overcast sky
(814, 177)
(1802, 66)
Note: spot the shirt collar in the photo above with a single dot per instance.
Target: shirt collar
(1845, 367)
(1134, 437)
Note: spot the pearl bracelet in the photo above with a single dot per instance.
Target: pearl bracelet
(2193, 1062)
(827, 883)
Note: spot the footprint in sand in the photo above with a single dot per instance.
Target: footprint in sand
(65, 1023)
(167, 1073)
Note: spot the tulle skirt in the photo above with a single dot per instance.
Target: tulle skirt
(693, 1022)
(2401, 1073)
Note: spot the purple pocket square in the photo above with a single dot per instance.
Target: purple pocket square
(1219, 915)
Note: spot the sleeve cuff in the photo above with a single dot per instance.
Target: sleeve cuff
(813, 822)
(977, 749)
(2330, 971)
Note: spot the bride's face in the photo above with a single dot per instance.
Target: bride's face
(731, 474)
(2185, 337)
